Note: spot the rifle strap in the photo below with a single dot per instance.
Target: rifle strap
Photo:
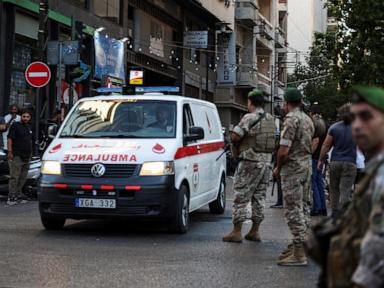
(262, 116)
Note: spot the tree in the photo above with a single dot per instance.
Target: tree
(317, 77)
(360, 38)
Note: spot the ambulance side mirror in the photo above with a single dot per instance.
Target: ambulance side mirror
(195, 133)
(52, 131)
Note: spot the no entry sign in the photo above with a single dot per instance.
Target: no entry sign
(37, 74)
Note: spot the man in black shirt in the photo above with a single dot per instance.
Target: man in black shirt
(319, 204)
(20, 141)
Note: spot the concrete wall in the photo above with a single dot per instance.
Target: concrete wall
(218, 8)
(305, 17)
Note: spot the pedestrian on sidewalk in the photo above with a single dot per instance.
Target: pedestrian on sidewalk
(20, 141)
(255, 140)
(343, 160)
(294, 167)
(355, 255)
(319, 204)
(11, 117)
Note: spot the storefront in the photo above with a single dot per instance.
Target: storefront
(24, 52)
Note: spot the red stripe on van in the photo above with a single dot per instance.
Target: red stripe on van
(189, 151)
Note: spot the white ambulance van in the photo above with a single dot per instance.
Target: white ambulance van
(134, 156)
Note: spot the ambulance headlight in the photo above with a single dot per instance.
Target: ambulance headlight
(157, 169)
(51, 168)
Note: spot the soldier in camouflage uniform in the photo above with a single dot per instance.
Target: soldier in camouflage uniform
(255, 135)
(356, 254)
(294, 166)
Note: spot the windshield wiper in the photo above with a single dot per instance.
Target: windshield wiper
(75, 136)
(119, 136)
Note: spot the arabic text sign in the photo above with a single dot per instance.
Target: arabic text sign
(196, 39)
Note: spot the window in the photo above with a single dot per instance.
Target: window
(122, 119)
(131, 12)
(109, 9)
(187, 119)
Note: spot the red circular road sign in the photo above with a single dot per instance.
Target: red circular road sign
(37, 74)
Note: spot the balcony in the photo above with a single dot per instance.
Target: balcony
(246, 12)
(265, 28)
(282, 5)
(264, 83)
(280, 38)
(246, 76)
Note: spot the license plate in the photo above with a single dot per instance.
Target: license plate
(95, 203)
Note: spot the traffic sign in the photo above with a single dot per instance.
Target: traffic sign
(37, 74)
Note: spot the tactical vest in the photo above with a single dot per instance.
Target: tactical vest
(344, 250)
(261, 137)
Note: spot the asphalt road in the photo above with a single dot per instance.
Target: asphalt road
(141, 254)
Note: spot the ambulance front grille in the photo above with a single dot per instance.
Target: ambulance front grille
(111, 170)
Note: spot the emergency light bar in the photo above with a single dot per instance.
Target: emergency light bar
(141, 89)
(109, 90)
(146, 89)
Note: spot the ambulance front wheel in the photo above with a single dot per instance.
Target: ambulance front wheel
(51, 223)
(218, 206)
(180, 222)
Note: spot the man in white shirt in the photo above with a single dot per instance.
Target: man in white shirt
(9, 119)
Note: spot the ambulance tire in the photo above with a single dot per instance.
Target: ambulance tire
(51, 223)
(218, 206)
(180, 222)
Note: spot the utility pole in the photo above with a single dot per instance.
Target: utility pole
(73, 36)
(42, 42)
(276, 75)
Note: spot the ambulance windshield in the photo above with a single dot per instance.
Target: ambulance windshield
(122, 119)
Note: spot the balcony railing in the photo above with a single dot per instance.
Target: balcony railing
(246, 75)
(280, 38)
(265, 28)
(246, 12)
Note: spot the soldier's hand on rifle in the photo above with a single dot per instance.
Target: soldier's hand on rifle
(276, 173)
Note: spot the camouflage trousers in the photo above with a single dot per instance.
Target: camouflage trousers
(250, 185)
(296, 186)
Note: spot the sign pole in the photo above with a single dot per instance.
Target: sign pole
(207, 75)
(59, 76)
(37, 120)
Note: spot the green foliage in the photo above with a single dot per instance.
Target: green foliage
(320, 68)
(360, 38)
(352, 54)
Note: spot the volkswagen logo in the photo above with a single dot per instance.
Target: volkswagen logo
(98, 170)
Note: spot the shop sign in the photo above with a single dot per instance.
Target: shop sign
(109, 57)
(226, 73)
(196, 39)
(136, 77)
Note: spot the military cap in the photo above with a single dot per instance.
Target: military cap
(292, 95)
(372, 95)
(255, 93)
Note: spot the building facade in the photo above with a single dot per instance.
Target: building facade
(245, 46)
(261, 46)
(305, 19)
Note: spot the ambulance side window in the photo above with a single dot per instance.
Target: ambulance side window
(187, 119)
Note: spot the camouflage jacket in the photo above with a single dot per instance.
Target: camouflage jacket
(297, 134)
(370, 269)
(243, 128)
